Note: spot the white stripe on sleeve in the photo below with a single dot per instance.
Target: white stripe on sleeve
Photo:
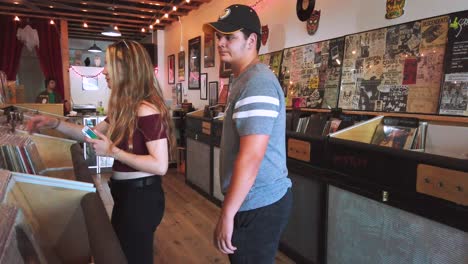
(254, 113)
(257, 99)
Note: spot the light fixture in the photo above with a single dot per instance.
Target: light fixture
(174, 8)
(85, 25)
(157, 21)
(166, 15)
(143, 30)
(16, 18)
(188, 1)
(95, 48)
(111, 32)
(151, 26)
(52, 22)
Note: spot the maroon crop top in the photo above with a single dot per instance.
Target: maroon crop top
(148, 129)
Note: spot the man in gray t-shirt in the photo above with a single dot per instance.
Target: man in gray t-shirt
(253, 171)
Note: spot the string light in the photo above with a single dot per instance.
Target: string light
(85, 75)
(166, 12)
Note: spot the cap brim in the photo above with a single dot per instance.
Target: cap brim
(221, 27)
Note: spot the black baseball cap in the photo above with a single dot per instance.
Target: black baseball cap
(235, 18)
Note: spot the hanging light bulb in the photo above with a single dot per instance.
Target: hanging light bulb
(143, 30)
(16, 18)
(188, 1)
(116, 28)
(157, 21)
(52, 22)
(85, 25)
(174, 8)
(151, 26)
(166, 15)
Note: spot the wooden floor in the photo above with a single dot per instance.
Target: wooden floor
(185, 233)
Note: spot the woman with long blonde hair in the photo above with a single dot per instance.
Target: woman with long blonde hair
(138, 135)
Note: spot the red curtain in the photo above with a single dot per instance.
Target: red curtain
(49, 52)
(10, 47)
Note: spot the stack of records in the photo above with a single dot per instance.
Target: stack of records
(20, 154)
(396, 132)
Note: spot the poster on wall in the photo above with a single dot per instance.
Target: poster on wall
(310, 74)
(90, 84)
(209, 50)
(171, 69)
(194, 63)
(273, 61)
(181, 66)
(454, 96)
(395, 69)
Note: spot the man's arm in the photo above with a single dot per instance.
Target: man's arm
(251, 152)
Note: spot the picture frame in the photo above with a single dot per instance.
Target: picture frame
(181, 66)
(223, 95)
(209, 50)
(90, 84)
(203, 86)
(194, 50)
(212, 93)
(225, 70)
(179, 93)
(171, 69)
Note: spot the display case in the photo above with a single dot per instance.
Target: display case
(383, 200)
(47, 220)
(199, 152)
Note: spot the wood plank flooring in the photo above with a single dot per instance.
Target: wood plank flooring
(185, 233)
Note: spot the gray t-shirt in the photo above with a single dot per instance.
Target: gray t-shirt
(256, 106)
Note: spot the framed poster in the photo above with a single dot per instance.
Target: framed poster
(179, 93)
(203, 86)
(209, 50)
(225, 70)
(181, 66)
(213, 93)
(194, 46)
(90, 84)
(171, 69)
(223, 95)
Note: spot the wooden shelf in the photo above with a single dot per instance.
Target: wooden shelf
(425, 117)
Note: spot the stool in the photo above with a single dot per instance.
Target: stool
(180, 159)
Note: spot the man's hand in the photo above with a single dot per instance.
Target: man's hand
(223, 234)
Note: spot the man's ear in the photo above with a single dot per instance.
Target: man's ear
(253, 40)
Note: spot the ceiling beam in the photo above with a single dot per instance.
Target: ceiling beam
(21, 15)
(121, 13)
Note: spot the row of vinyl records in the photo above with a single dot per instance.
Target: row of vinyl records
(400, 133)
(19, 153)
(395, 132)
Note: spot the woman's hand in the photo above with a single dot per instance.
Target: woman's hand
(40, 121)
(102, 145)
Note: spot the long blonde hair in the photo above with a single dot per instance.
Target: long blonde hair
(133, 82)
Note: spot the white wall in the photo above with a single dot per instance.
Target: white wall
(80, 96)
(338, 18)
